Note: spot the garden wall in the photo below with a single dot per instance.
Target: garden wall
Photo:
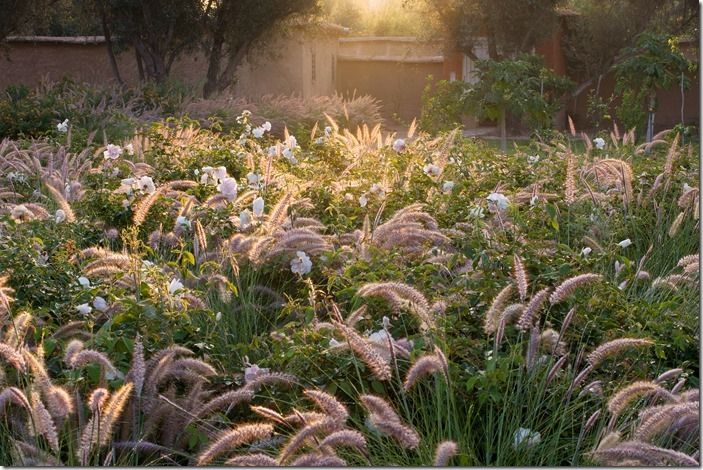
(302, 64)
(392, 69)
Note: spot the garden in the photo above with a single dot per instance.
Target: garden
(178, 293)
(193, 278)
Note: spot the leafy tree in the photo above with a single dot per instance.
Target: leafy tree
(508, 26)
(654, 63)
(16, 16)
(599, 29)
(232, 27)
(521, 86)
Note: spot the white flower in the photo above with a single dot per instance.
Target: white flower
(301, 264)
(253, 371)
(218, 316)
(220, 173)
(431, 170)
(618, 267)
(377, 189)
(532, 159)
(60, 216)
(476, 212)
(100, 304)
(266, 126)
(129, 148)
(84, 281)
(600, 143)
(84, 309)
(586, 251)
(258, 132)
(498, 200)
(625, 243)
(253, 178)
(292, 142)
(363, 200)
(257, 207)
(146, 184)
(328, 131)
(174, 286)
(182, 221)
(399, 145)
(288, 155)
(272, 151)
(448, 186)
(62, 126)
(112, 152)
(334, 343)
(20, 212)
(379, 337)
(228, 188)
(386, 323)
(244, 219)
(686, 188)
(527, 437)
(534, 199)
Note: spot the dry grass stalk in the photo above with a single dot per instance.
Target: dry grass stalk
(496, 309)
(614, 347)
(229, 440)
(384, 417)
(566, 288)
(378, 366)
(531, 312)
(444, 452)
(520, 276)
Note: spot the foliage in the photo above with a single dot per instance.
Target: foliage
(416, 293)
(442, 105)
(521, 86)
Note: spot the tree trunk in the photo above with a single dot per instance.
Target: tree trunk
(503, 132)
(140, 64)
(651, 107)
(110, 50)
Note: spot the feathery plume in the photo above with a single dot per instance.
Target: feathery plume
(493, 315)
(642, 453)
(252, 460)
(225, 400)
(233, 438)
(668, 375)
(270, 378)
(444, 452)
(425, 365)
(614, 347)
(345, 437)
(400, 295)
(308, 431)
(378, 366)
(520, 276)
(659, 421)
(530, 314)
(43, 423)
(12, 357)
(328, 404)
(384, 417)
(625, 396)
(566, 288)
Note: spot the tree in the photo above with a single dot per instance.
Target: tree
(599, 29)
(522, 86)
(655, 62)
(18, 15)
(232, 27)
(508, 26)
